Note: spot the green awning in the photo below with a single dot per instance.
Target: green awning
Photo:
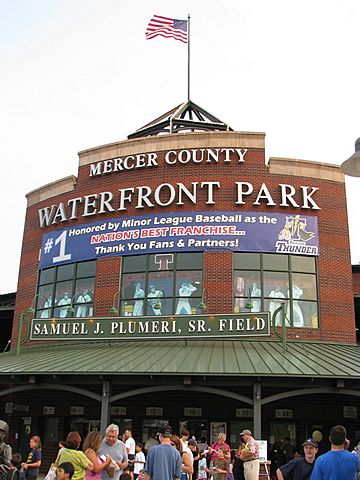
(238, 358)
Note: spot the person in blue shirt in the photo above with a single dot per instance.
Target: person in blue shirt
(33, 462)
(338, 463)
(164, 461)
(300, 468)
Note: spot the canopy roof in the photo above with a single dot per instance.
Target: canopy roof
(238, 358)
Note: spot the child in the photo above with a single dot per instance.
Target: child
(221, 465)
(65, 471)
(125, 476)
(139, 460)
(202, 465)
(143, 475)
(33, 461)
(15, 464)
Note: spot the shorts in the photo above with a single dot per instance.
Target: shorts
(130, 466)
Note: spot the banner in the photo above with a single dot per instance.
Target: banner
(186, 231)
(123, 328)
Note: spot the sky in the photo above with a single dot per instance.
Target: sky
(77, 74)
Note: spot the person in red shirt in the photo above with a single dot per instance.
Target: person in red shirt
(216, 446)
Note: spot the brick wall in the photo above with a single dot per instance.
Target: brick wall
(335, 276)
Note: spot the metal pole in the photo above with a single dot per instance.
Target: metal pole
(21, 321)
(257, 410)
(283, 326)
(281, 337)
(188, 80)
(104, 419)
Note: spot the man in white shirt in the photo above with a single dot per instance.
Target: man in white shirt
(130, 448)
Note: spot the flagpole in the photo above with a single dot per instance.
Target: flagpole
(188, 79)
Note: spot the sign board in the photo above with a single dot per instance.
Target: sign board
(349, 411)
(262, 450)
(215, 429)
(154, 411)
(115, 410)
(94, 426)
(192, 412)
(185, 232)
(76, 410)
(175, 327)
(9, 407)
(20, 408)
(48, 410)
(244, 412)
(283, 413)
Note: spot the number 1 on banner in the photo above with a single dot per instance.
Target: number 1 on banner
(63, 256)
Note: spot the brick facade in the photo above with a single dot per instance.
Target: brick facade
(334, 267)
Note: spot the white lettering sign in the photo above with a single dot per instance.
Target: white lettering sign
(166, 194)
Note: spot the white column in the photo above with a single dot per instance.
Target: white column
(257, 410)
(104, 419)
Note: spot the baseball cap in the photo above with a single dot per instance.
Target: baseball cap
(310, 441)
(165, 429)
(246, 432)
(192, 442)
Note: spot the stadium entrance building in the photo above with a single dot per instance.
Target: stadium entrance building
(180, 277)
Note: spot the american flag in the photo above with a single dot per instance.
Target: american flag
(168, 28)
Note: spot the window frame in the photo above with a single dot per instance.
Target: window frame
(75, 308)
(169, 301)
(292, 302)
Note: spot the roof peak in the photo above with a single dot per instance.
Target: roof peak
(184, 117)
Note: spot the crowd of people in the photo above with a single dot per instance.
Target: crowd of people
(172, 457)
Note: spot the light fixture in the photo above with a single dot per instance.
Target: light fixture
(249, 304)
(351, 166)
(114, 310)
(71, 309)
(282, 337)
(32, 308)
(157, 305)
(202, 304)
(257, 391)
(25, 316)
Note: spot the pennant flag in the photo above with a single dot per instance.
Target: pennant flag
(168, 28)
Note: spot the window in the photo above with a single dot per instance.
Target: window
(66, 291)
(262, 282)
(162, 284)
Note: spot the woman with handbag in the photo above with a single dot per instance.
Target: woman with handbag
(80, 461)
(186, 461)
(91, 447)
